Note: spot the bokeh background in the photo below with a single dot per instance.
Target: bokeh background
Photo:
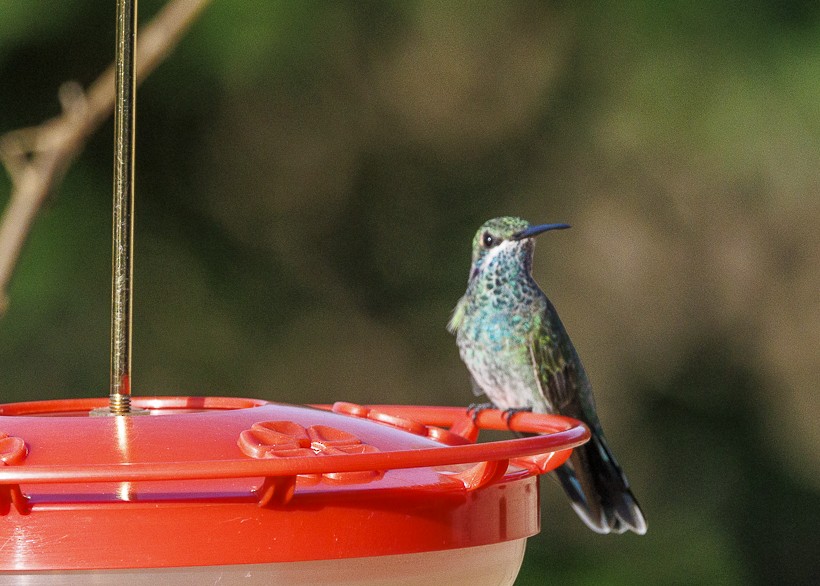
(310, 175)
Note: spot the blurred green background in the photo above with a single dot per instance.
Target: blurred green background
(309, 177)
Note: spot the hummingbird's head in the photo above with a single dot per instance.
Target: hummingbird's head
(506, 242)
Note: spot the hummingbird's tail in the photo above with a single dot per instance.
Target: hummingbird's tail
(599, 490)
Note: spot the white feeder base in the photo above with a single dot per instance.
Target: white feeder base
(487, 565)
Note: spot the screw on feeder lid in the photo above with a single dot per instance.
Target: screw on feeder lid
(216, 481)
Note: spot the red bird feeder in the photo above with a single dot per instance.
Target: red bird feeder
(209, 489)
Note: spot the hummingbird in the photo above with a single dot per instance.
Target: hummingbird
(520, 356)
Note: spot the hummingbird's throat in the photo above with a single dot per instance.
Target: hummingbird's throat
(507, 263)
(509, 255)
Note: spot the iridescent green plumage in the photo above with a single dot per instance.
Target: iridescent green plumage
(519, 354)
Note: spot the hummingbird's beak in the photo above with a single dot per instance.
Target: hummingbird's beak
(536, 230)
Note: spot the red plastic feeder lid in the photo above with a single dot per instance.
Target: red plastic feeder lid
(218, 481)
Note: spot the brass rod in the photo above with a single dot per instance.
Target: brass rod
(123, 230)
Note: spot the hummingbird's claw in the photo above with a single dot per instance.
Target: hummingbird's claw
(475, 408)
(507, 414)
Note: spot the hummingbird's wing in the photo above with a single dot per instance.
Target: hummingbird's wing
(592, 479)
(553, 366)
(558, 386)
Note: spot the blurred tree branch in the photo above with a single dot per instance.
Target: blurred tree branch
(38, 157)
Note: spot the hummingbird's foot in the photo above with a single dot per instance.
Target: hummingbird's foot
(507, 414)
(475, 408)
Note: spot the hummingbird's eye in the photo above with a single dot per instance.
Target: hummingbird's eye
(488, 240)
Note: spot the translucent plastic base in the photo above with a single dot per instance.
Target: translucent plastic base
(490, 565)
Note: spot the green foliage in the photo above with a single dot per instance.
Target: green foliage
(23, 23)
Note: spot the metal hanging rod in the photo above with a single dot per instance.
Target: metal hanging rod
(122, 265)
